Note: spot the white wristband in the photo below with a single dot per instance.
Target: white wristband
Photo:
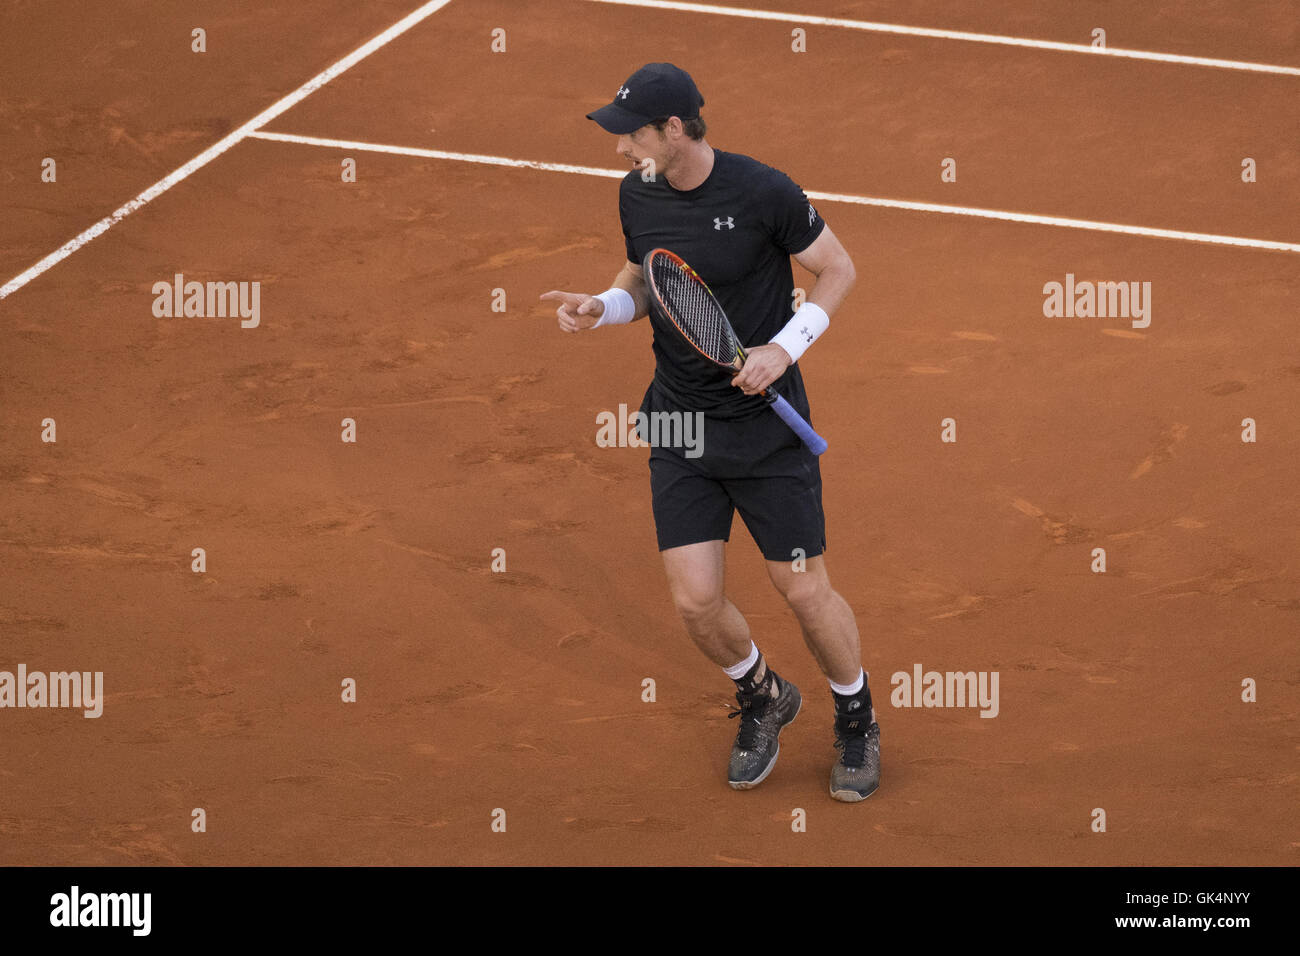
(802, 330)
(620, 308)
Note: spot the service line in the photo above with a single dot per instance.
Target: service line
(975, 211)
(222, 145)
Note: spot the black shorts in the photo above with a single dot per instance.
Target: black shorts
(756, 466)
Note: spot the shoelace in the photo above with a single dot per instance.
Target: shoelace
(854, 747)
(752, 709)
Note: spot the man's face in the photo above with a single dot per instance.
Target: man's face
(648, 143)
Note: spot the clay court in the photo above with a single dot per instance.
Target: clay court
(476, 430)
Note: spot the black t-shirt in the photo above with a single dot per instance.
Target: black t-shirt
(738, 230)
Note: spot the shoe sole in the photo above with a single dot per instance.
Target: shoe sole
(852, 796)
(751, 784)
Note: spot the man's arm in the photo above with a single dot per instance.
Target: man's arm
(826, 259)
(632, 280)
(578, 311)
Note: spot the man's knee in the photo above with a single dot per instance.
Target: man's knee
(807, 594)
(698, 606)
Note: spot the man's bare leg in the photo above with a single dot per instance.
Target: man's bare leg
(831, 633)
(766, 702)
(696, 577)
(829, 627)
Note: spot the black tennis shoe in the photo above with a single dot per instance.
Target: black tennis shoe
(856, 775)
(761, 721)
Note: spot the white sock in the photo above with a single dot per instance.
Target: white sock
(848, 690)
(737, 671)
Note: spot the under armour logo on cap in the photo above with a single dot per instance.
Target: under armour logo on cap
(729, 222)
(656, 91)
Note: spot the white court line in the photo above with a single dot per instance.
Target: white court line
(216, 149)
(439, 154)
(819, 196)
(954, 35)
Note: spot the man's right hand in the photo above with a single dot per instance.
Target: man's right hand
(577, 311)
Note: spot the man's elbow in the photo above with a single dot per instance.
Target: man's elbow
(850, 274)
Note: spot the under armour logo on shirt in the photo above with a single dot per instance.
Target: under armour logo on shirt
(729, 222)
(812, 214)
(622, 93)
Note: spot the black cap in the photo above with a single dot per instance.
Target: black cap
(652, 92)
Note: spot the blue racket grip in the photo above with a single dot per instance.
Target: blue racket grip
(816, 444)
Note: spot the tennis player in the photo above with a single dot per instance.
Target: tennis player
(737, 222)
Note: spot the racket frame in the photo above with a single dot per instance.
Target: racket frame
(798, 424)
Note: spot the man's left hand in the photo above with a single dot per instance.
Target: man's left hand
(764, 364)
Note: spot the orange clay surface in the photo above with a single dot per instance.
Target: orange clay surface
(476, 430)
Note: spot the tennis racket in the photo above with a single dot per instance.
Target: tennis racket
(687, 302)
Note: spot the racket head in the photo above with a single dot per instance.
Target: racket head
(686, 301)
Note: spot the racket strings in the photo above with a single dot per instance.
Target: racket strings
(697, 313)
